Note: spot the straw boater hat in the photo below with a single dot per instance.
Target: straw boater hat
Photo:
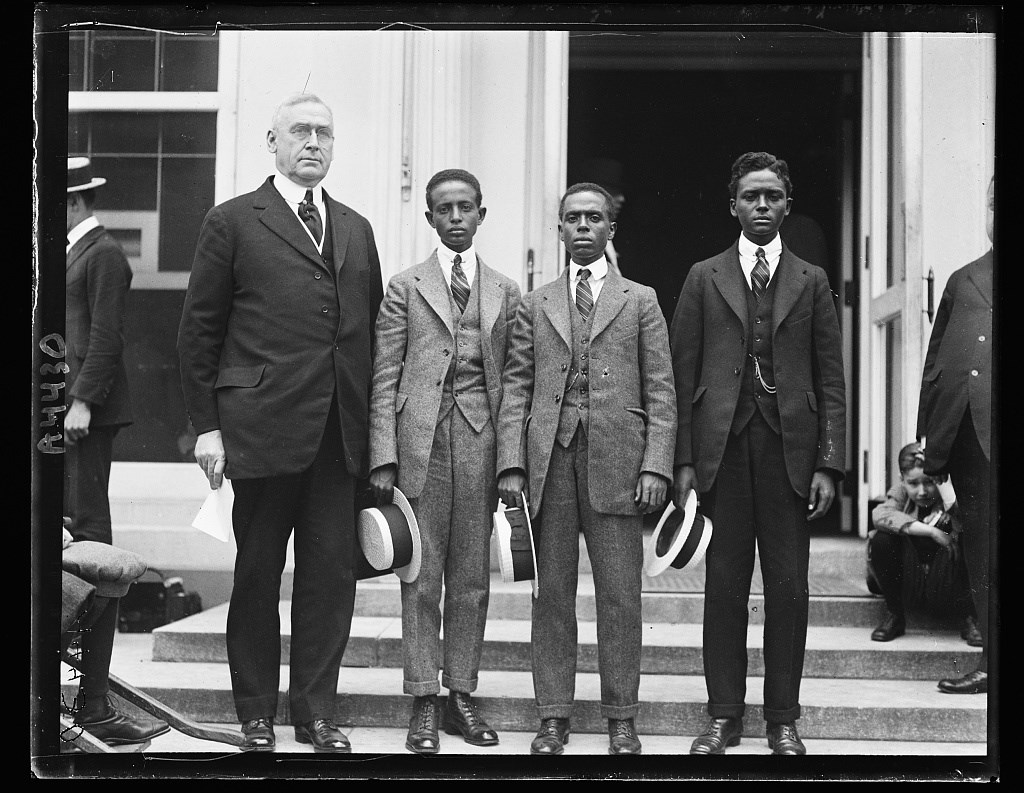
(517, 556)
(390, 539)
(80, 175)
(680, 539)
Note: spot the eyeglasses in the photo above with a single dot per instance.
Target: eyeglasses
(324, 135)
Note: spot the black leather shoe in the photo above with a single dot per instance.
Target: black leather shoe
(975, 682)
(891, 627)
(461, 718)
(551, 738)
(324, 735)
(971, 634)
(719, 734)
(422, 737)
(622, 738)
(783, 739)
(258, 735)
(114, 728)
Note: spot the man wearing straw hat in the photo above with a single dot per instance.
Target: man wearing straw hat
(97, 281)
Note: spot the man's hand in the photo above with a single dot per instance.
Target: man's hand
(511, 484)
(76, 422)
(684, 480)
(382, 483)
(211, 458)
(651, 490)
(823, 492)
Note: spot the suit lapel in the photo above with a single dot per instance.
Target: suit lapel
(792, 280)
(431, 284)
(341, 230)
(80, 247)
(731, 284)
(609, 302)
(277, 216)
(556, 306)
(491, 295)
(981, 276)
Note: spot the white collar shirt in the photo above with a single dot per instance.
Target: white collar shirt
(294, 194)
(748, 256)
(598, 273)
(80, 231)
(446, 257)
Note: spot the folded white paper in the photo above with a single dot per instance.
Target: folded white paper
(214, 516)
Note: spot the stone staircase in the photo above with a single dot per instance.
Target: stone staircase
(853, 689)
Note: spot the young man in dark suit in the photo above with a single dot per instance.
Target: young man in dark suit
(275, 345)
(586, 430)
(762, 415)
(97, 282)
(442, 338)
(954, 422)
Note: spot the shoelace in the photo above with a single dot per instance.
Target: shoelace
(549, 727)
(426, 716)
(622, 728)
(467, 711)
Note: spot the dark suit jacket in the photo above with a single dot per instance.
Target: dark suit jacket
(958, 365)
(97, 281)
(632, 405)
(709, 332)
(415, 339)
(262, 344)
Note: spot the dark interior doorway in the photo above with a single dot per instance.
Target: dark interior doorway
(676, 127)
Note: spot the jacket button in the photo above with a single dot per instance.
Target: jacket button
(981, 338)
(323, 309)
(974, 372)
(558, 398)
(564, 367)
(446, 352)
(736, 371)
(318, 275)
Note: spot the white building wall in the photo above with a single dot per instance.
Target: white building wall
(958, 146)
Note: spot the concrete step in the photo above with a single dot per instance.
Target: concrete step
(376, 642)
(671, 704)
(391, 740)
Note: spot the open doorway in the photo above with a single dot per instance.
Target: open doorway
(675, 110)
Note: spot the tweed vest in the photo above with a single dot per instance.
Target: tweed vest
(576, 399)
(465, 384)
(759, 344)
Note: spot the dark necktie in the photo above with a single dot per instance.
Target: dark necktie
(584, 297)
(759, 275)
(460, 286)
(311, 217)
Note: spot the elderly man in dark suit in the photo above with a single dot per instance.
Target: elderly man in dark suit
(275, 346)
(97, 281)
(762, 416)
(954, 422)
(588, 418)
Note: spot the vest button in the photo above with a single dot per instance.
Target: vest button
(757, 320)
(736, 371)
(323, 309)
(757, 338)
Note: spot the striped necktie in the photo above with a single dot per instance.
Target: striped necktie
(311, 216)
(584, 297)
(460, 286)
(759, 275)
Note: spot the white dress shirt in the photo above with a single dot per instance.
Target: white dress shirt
(598, 271)
(446, 256)
(294, 194)
(748, 256)
(80, 231)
